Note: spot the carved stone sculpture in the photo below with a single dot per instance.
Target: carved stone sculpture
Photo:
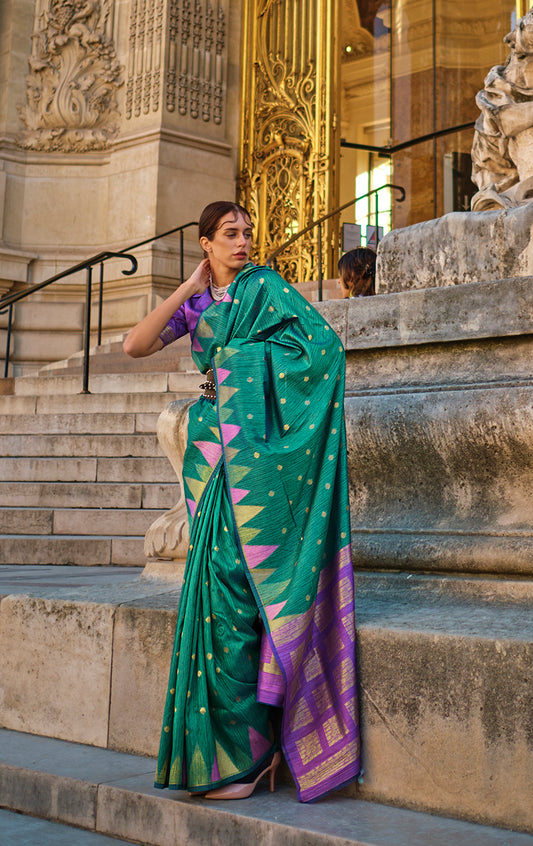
(74, 76)
(168, 536)
(502, 152)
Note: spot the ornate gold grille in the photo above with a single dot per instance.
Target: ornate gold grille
(289, 148)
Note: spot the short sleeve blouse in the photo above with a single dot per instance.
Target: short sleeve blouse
(186, 318)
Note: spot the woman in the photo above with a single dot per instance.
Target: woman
(266, 613)
(358, 272)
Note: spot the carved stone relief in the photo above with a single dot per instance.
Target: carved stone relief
(74, 76)
(195, 69)
(143, 88)
(502, 152)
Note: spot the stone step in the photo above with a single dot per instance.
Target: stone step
(86, 470)
(88, 495)
(110, 358)
(109, 423)
(139, 445)
(444, 671)
(68, 404)
(111, 793)
(21, 830)
(77, 521)
(74, 550)
(108, 383)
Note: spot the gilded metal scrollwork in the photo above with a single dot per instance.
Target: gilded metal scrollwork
(289, 152)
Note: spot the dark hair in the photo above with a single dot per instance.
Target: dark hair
(358, 271)
(211, 215)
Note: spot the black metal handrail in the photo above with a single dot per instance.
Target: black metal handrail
(271, 260)
(390, 149)
(7, 302)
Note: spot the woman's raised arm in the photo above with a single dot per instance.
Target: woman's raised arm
(144, 338)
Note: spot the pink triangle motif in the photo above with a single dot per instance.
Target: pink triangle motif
(222, 374)
(229, 431)
(258, 744)
(210, 451)
(196, 345)
(273, 610)
(256, 554)
(215, 773)
(237, 494)
(192, 506)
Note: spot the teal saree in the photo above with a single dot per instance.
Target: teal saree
(266, 616)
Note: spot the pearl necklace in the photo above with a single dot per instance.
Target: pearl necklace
(217, 293)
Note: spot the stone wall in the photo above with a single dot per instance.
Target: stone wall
(439, 415)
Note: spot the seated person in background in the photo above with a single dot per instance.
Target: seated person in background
(357, 272)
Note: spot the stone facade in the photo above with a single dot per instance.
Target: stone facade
(118, 121)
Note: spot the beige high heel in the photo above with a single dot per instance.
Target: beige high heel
(242, 791)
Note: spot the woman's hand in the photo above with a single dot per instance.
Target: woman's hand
(199, 279)
(144, 338)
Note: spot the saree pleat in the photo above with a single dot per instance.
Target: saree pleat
(214, 729)
(267, 489)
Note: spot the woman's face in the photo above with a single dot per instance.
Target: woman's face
(230, 246)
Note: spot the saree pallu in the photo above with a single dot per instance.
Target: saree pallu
(266, 485)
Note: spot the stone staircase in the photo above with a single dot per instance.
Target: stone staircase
(444, 647)
(82, 475)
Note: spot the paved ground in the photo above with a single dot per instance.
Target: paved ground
(20, 830)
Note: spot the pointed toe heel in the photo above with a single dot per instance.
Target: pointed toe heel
(235, 790)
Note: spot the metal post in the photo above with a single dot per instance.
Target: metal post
(376, 214)
(87, 339)
(319, 257)
(181, 257)
(100, 302)
(8, 341)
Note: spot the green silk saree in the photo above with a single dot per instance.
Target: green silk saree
(266, 616)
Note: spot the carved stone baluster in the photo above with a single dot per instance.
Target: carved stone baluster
(207, 92)
(158, 49)
(172, 60)
(183, 88)
(219, 65)
(168, 536)
(195, 70)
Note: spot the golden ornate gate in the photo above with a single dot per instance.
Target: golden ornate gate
(289, 146)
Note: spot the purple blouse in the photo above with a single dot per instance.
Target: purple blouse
(185, 319)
